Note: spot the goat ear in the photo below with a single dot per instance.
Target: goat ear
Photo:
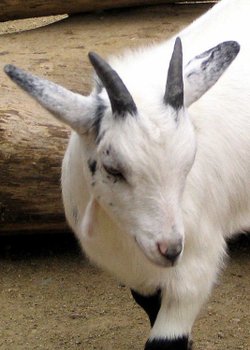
(73, 109)
(203, 71)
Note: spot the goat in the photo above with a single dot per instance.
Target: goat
(155, 178)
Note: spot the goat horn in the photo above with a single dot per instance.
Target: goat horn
(174, 88)
(120, 98)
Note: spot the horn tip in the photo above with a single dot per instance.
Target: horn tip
(91, 54)
(93, 57)
(178, 43)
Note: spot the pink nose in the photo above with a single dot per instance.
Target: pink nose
(170, 251)
(163, 247)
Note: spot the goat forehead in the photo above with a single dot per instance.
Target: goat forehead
(135, 147)
(155, 154)
(132, 133)
(153, 121)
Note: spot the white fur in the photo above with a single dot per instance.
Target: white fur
(187, 172)
(216, 200)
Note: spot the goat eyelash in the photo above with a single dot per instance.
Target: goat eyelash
(115, 173)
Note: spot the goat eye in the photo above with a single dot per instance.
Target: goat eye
(117, 174)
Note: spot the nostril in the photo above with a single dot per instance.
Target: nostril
(170, 252)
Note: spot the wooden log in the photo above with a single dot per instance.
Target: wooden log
(30, 157)
(32, 142)
(16, 9)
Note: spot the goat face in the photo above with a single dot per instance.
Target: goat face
(141, 160)
(138, 171)
(136, 156)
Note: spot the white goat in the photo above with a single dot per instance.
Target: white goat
(152, 190)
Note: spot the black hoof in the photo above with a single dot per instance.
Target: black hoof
(181, 343)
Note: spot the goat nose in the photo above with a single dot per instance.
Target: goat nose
(170, 252)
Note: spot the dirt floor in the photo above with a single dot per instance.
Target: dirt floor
(50, 297)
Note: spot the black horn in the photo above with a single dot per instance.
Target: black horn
(120, 98)
(174, 87)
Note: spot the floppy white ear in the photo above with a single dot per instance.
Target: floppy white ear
(87, 224)
(203, 71)
(73, 109)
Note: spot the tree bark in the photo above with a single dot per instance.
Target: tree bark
(16, 9)
(31, 150)
(32, 142)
